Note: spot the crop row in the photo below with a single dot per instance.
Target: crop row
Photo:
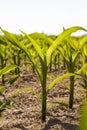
(43, 53)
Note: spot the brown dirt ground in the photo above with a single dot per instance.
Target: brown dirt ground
(25, 112)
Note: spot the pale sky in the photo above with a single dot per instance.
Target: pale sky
(48, 16)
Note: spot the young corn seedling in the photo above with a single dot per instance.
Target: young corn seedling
(6, 103)
(83, 72)
(44, 60)
(70, 51)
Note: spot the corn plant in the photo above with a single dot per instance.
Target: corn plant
(70, 50)
(83, 72)
(44, 60)
(5, 104)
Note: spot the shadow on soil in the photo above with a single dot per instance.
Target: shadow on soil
(55, 121)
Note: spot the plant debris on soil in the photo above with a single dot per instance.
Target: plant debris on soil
(25, 112)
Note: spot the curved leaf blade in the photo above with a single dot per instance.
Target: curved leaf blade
(59, 39)
(13, 79)
(2, 88)
(36, 46)
(12, 38)
(7, 69)
(53, 83)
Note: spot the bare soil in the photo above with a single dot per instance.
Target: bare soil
(25, 112)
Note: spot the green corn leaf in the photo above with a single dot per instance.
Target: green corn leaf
(83, 120)
(2, 42)
(59, 39)
(36, 46)
(74, 55)
(13, 79)
(33, 60)
(82, 69)
(7, 69)
(65, 85)
(74, 43)
(37, 35)
(85, 49)
(49, 40)
(12, 38)
(82, 41)
(2, 108)
(41, 36)
(53, 83)
(60, 102)
(62, 50)
(4, 105)
(2, 88)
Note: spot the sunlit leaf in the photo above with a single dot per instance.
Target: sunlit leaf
(2, 88)
(53, 83)
(59, 39)
(36, 46)
(7, 69)
(13, 79)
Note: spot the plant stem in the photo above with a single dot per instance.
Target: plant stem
(51, 64)
(72, 80)
(71, 92)
(44, 94)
